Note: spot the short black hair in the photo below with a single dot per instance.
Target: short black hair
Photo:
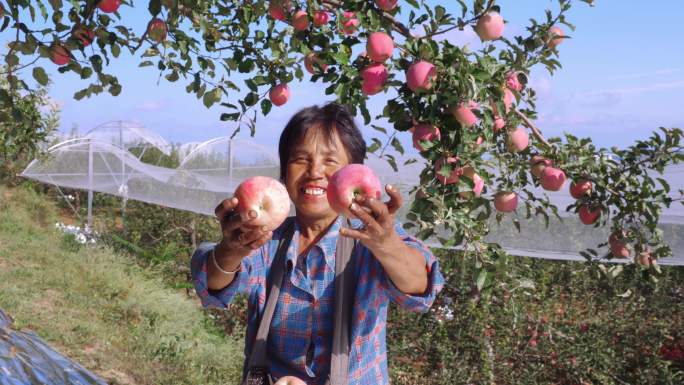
(329, 119)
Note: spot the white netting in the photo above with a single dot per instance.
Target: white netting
(210, 172)
(128, 135)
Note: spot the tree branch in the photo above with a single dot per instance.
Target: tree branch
(535, 131)
(461, 24)
(398, 26)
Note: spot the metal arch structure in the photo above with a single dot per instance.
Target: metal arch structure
(212, 170)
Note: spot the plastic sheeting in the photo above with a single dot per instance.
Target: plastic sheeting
(211, 171)
(26, 359)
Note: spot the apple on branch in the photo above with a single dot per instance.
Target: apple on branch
(379, 47)
(265, 196)
(505, 201)
(109, 6)
(279, 94)
(348, 182)
(420, 76)
(490, 26)
(321, 18)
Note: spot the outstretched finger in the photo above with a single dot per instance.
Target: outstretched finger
(368, 220)
(353, 233)
(395, 201)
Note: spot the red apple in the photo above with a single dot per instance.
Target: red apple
(321, 18)
(454, 173)
(478, 183)
(518, 140)
(490, 26)
(279, 9)
(499, 123)
(581, 188)
(267, 197)
(646, 259)
(349, 23)
(279, 94)
(156, 30)
(300, 21)
(289, 380)
(83, 34)
(386, 5)
(379, 46)
(554, 37)
(552, 178)
(513, 82)
(588, 215)
(348, 182)
(464, 113)
(420, 76)
(59, 54)
(424, 132)
(618, 245)
(505, 201)
(374, 78)
(313, 64)
(109, 6)
(538, 164)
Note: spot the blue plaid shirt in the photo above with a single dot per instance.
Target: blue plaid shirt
(300, 338)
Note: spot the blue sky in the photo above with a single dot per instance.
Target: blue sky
(622, 77)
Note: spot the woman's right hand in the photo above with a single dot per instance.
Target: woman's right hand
(239, 237)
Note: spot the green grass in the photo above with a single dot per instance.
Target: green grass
(101, 309)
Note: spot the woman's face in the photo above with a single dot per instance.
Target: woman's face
(311, 164)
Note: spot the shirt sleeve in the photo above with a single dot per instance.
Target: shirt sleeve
(217, 298)
(416, 303)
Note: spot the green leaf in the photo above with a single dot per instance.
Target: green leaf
(40, 76)
(154, 7)
(397, 145)
(266, 106)
(251, 99)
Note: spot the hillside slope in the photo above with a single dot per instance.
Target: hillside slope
(102, 310)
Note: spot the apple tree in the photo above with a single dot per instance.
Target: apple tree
(470, 113)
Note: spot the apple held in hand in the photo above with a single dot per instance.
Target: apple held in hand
(267, 197)
(289, 380)
(348, 182)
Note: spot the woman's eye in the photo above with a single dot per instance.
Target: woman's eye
(331, 160)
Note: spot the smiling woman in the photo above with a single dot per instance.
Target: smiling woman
(384, 262)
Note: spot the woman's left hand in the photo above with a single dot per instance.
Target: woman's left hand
(378, 233)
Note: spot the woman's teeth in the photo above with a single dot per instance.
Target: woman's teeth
(314, 191)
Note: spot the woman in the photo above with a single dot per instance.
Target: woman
(388, 264)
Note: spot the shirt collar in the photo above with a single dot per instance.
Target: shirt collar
(327, 244)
